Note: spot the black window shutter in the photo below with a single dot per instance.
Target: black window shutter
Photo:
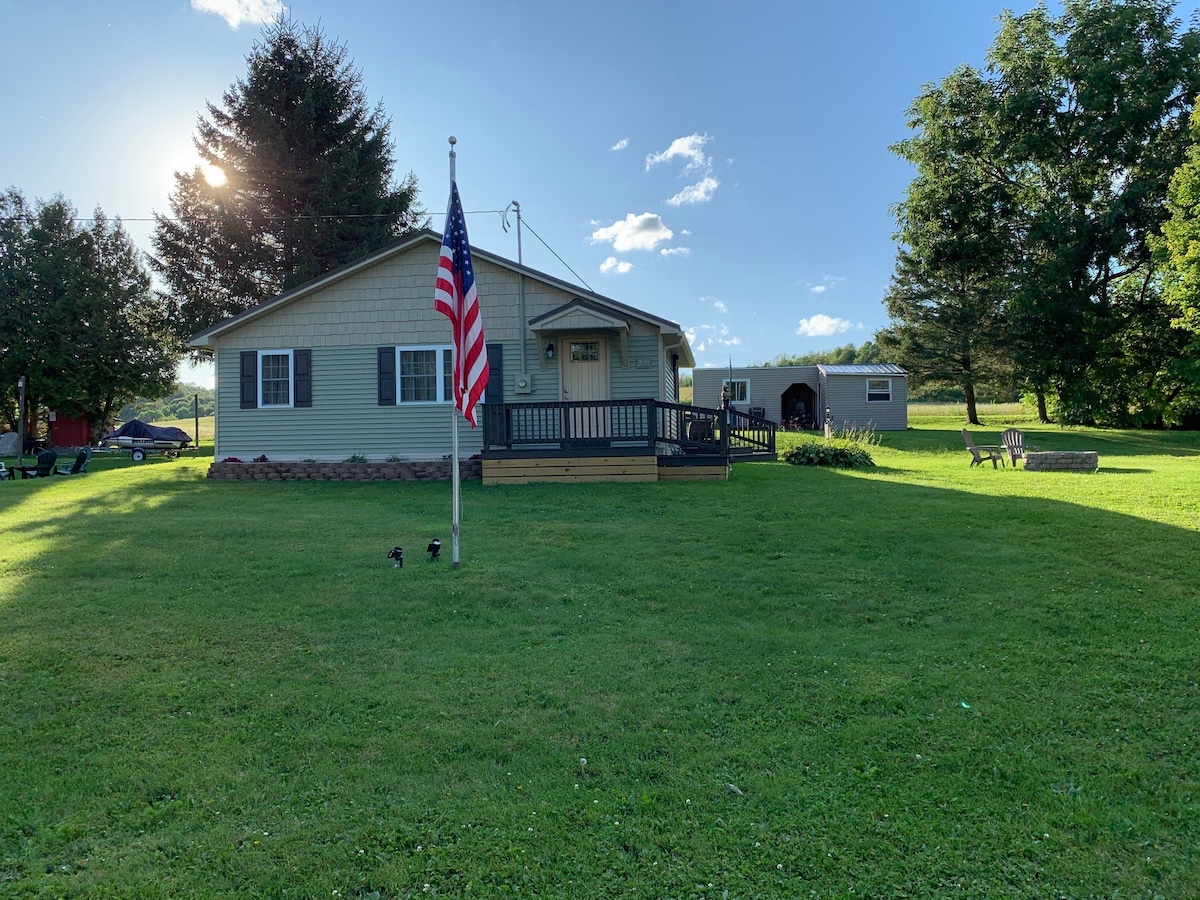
(495, 385)
(249, 379)
(387, 376)
(302, 377)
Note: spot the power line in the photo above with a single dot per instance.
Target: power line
(300, 218)
(525, 222)
(251, 217)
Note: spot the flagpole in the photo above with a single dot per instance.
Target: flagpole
(454, 474)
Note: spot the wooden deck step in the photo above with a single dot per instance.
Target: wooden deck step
(570, 469)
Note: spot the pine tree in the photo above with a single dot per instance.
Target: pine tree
(307, 187)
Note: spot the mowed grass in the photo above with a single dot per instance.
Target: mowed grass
(918, 680)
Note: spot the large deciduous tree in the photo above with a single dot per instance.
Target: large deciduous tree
(1096, 104)
(78, 316)
(307, 187)
(1178, 250)
(1082, 122)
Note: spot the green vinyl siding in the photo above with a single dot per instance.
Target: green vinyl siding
(640, 378)
(344, 420)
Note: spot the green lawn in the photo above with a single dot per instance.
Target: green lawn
(921, 680)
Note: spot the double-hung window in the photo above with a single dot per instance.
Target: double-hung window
(879, 390)
(274, 378)
(424, 375)
(278, 379)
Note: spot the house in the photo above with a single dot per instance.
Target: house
(857, 396)
(357, 363)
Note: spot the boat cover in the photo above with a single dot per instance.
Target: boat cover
(136, 428)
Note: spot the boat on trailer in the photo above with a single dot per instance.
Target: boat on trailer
(139, 438)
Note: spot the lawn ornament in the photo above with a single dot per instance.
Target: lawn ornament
(435, 549)
(396, 555)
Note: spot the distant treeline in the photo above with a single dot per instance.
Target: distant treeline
(179, 405)
(839, 356)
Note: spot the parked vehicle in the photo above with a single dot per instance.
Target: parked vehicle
(139, 438)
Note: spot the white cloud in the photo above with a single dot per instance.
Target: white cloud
(644, 232)
(690, 148)
(710, 337)
(235, 12)
(828, 282)
(620, 145)
(612, 264)
(700, 192)
(720, 307)
(822, 325)
(675, 251)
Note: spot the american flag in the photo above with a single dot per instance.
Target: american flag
(454, 297)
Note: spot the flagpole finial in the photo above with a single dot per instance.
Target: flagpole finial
(453, 140)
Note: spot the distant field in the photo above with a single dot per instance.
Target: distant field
(1012, 413)
(189, 425)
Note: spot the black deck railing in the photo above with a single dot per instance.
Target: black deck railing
(604, 424)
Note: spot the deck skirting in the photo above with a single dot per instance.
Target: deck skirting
(511, 470)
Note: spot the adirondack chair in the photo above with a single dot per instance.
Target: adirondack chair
(79, 467)
(982, 452)
(44, 467)
(1014, 443)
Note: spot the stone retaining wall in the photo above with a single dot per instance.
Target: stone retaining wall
(432, 470)
(1063, 461)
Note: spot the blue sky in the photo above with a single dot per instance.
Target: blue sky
(723, 165)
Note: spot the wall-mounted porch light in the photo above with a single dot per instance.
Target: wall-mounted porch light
(549, 352)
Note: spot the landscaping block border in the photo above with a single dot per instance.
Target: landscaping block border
(429, 470)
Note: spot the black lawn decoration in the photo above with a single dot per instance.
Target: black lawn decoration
(435, 550)
(396, 555)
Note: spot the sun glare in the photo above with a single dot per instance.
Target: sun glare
(213, 174)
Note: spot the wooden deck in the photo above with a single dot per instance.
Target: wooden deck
(618, 440)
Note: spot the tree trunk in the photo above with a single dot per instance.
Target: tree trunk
(1041, 406)
(972, 412)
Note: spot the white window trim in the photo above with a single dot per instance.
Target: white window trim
(871, 399)
(443, 374)
(291, 379)
(731, 382)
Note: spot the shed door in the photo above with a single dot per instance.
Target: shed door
(585, 377)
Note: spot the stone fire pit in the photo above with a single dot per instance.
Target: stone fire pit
(1062, 461)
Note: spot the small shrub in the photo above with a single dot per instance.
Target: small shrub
(357, 457)
(395, 457)
(838, 454)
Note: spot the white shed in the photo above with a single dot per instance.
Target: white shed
(862, 396)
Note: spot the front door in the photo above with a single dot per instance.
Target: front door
(584, 376)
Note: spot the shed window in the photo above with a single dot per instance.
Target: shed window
(739, 389)
(424, 374)
(274, 378)
(879, 390)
